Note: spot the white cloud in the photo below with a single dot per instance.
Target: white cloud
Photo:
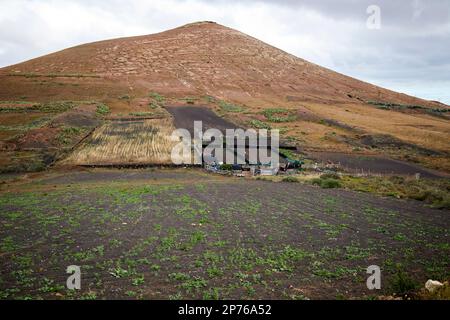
(418, 8)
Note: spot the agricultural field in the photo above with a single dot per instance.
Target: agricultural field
(372, 164)
(33, 135)
(185, 116)
(183, 234)
(127, 142)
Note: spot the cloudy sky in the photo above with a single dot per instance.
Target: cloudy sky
(410, 52)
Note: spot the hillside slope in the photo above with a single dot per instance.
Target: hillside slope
(242, 78)
(207, 58)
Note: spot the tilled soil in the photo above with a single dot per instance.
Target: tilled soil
(374, 164)
(167, 235)
(185, 116)
(104, 176)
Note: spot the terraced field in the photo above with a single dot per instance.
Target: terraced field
(127, 142)
(181, 234)
(34, 135)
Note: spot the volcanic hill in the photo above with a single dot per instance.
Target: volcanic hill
(50, 103)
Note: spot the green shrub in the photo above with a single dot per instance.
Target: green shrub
(156, 96)
(395, 106)
(279, 115)
(401, 283)
(438, 199)
(442, 203)
(288, 154)
(397, 179)
(257, 124)
(434, 192)
(230, 107)
(68, 134)
(334, 176)
(290, 179)
(141, 114)
(38, 123)
(327, 183)
(49, 107)
(153, 105)
(330, 183)
(103, 109)
(210, 99)
(189, 100)
(226, 167)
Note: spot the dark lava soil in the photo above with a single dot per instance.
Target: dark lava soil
(144, 234)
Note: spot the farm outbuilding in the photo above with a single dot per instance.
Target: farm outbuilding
(185, 118)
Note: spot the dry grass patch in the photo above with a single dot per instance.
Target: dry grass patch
(131, 142)
(423, 130)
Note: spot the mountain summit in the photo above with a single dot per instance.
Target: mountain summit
(208, 58)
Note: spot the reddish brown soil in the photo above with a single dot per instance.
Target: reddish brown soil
(43, 138)
(202, 58)
(82, 116)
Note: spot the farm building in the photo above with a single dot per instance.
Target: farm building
(212, 163)
(185, 118)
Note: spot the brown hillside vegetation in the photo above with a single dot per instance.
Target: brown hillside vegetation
(242, 79)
